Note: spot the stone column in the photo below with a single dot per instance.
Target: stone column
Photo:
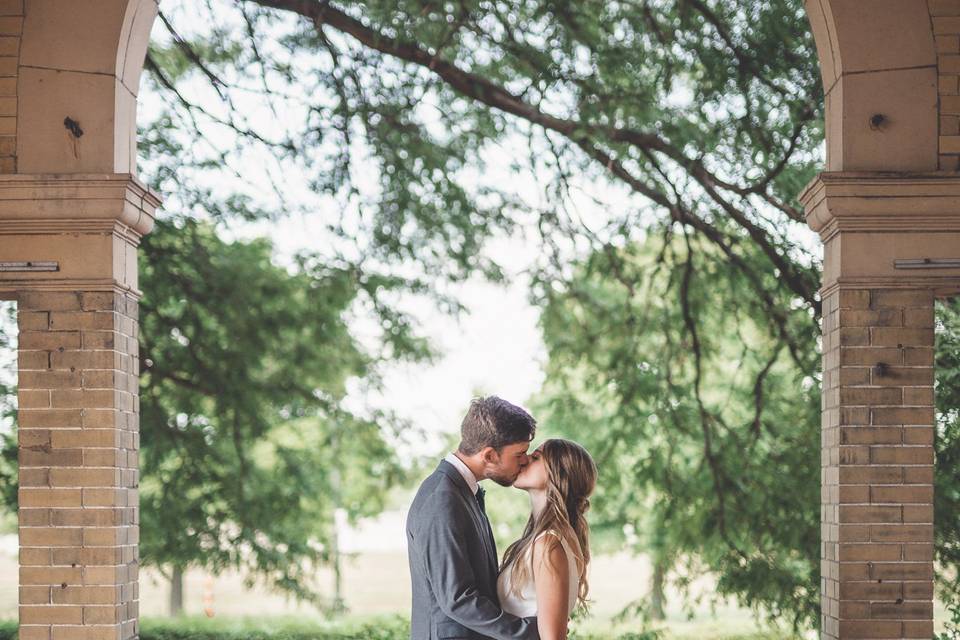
(877, 492)
(878, 414)
(78, 399)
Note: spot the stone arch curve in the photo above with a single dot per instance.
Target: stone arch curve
(878, 62)
(79, 60)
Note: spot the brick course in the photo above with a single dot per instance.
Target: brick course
(78, 473)
(877, 490)
(11, 28)
(945, 17)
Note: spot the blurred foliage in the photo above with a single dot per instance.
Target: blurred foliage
(381, 628)
(359, 628)
(199, 628)
(702, 423)
(246, 447)
(952, 626)
(8, 416)
(425, 128)
(946, 515)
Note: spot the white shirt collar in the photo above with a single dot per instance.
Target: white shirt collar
(464, 471)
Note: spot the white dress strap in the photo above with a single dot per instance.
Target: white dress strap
(550, 532)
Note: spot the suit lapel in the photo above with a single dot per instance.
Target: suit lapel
(491, 548)
(479, 519)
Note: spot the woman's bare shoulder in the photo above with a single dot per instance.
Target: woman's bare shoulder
(549, 552)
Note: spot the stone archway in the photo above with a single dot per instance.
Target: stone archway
(887, 209)
(69, 198)
(71, 217)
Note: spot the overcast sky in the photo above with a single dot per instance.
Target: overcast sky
(494, 349)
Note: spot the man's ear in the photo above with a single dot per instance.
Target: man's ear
(490, 456)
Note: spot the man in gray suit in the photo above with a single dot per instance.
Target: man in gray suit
(453, 558)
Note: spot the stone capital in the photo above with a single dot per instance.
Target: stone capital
(887, 229)
(90, 225)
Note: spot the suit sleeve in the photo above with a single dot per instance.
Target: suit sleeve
(451, 577)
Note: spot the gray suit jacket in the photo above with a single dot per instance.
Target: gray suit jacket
(453, 566)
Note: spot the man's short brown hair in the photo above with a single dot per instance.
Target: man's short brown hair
(494, 422)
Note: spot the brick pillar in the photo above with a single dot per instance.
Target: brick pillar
(78, 404)
(877, 463)
(889, 242)
(11, 28)
(78, 465)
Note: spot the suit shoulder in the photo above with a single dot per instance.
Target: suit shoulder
(437, 494)
(437, 487)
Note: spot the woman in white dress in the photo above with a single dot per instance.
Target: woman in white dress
(544, 573)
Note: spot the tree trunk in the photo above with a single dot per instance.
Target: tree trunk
(657, 597)
(176, 592)
(339, 605)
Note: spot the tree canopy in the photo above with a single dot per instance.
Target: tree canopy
(247, 447)
(654, 152)
(704, 428)
(694, 114)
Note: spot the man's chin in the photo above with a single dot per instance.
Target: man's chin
(505, 482)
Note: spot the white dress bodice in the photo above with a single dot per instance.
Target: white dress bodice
(523, 603)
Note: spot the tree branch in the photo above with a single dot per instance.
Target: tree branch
(488, 92)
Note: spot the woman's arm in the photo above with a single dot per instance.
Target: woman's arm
(551, 575)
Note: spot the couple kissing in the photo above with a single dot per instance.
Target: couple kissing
(460, 589)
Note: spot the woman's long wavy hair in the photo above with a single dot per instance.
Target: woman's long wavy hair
(571, 478)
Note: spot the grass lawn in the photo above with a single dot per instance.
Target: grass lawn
(283, 625)
(376, 587)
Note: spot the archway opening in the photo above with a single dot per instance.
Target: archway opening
(9, 547)
(947, 480)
